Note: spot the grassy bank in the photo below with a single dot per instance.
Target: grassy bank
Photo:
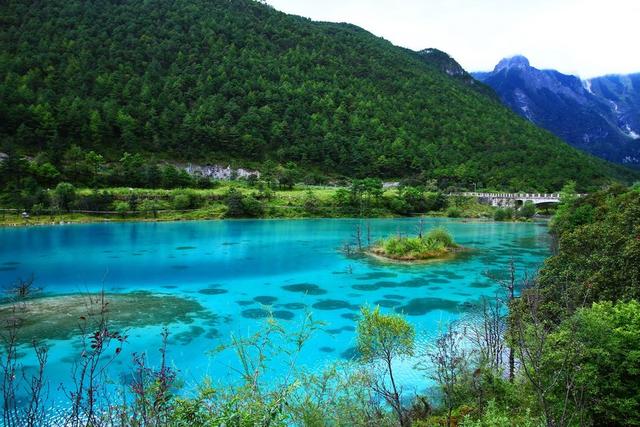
(237, 200)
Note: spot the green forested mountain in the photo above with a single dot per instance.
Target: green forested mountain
(204, 80)
(442, 61)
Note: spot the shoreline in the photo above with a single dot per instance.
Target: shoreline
(76, 218)
(64, 220)
(381, 258)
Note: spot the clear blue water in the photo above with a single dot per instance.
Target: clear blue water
(251, 262)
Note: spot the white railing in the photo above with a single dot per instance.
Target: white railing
(515, 196)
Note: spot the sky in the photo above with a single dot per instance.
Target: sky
(583, 37)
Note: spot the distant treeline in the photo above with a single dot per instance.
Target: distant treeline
(38, 185)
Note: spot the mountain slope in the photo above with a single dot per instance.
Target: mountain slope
(600, 116)
(446, 64)
(622, 92)
(212, 79)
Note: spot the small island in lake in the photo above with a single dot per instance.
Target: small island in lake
(436, 244)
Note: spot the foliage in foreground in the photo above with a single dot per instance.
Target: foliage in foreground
(602, 343)
(576, 324)
(381, 341)
(598, 239)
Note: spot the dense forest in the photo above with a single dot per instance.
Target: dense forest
(213, 80)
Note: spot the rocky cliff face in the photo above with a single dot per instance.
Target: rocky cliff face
(219, 172)
(623, 96)
(600, 115)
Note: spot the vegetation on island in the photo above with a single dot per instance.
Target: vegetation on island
(237, 81)
(437, 243)
(565, 353)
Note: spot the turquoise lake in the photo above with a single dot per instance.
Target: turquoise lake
(239, 270)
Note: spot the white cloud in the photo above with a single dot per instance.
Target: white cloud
(585, 37)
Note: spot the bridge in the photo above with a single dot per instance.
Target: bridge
(513, 199)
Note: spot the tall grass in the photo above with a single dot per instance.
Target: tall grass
(441, 235)
(438, 240)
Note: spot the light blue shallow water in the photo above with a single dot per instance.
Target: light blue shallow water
(249, 262)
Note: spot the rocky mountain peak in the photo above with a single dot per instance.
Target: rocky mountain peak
(518, 61)
(599, 115)
(443, 61)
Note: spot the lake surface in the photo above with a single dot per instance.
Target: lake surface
(238, 270)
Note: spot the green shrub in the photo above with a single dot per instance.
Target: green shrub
(342, 198)
(413, 199)
(181, 201)
(151, 205)
(495, 416)
(252, 207)
(603, 342)
(454, 212)
(234, 201)
(402, 246)
(252, 180)
(38, 209)
(122, 207)
(239, 205)
(63, 195)
(383, 338)
(528, 210)
(440, 235)
(311, 203)
(436, 240)
(583, 215)
(435, 202)
(204, 182)
(95, 201)
(397, 205)
(314, 178)
(503, 214)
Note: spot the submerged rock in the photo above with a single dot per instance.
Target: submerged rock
(334, 304)
(350, 316)
(255, 313)
(376, 275)
(294, 306)
(422, 306)
(350, 353)
(212, 291)
(387, 303)
(62, 317)
(305, 288)
(283, 314)
(394, 296)
(185, 337)
(266, 299)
